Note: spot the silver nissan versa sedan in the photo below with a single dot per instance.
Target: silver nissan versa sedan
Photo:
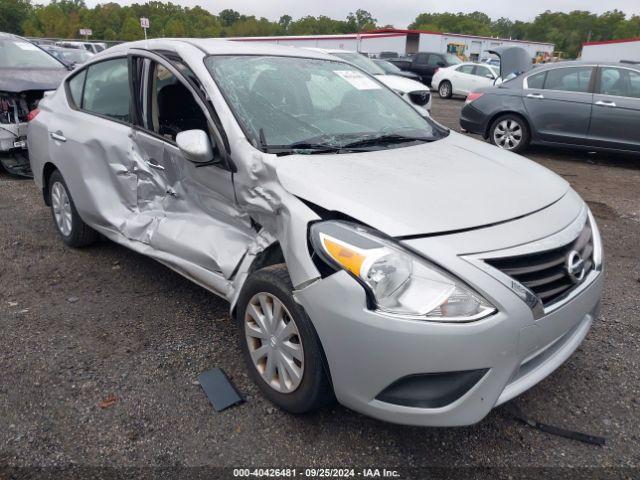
(368, 254)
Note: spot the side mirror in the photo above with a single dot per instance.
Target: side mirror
(195, 146)
(442, 64)
(490, 76)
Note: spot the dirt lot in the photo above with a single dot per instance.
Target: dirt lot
(80, 325)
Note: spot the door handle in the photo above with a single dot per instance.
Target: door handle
(535, 95)
(154, 164)
(58, 136)
(602, 103)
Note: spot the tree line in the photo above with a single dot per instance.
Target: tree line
(566, 30)
(111, 21)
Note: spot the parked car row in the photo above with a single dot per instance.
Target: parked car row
(594, 106)
(369, 254)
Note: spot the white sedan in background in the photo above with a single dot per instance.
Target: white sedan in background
(414, 92)
(463, 78)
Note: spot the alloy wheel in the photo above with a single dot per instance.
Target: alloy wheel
(508, 134)
(274, 342)
(61, 208)
(445, 90)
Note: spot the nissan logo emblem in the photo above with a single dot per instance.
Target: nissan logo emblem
(575, 266)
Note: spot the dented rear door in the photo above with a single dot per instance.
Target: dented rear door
(90, 143)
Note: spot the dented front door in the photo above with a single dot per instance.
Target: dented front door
(188, 210)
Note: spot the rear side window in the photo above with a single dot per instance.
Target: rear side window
(106, 90)
(75, 88)
(620, 82)
(537, 80)
(422, 58)
(575, 79)
(435, 60)
(466, 69)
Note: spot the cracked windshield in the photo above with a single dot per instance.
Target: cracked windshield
(300, 105)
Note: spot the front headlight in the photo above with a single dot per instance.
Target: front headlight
(396, 281)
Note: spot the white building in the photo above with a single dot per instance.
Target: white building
(405, 42)
(612, 50)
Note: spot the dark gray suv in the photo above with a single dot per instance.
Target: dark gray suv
(574, 104)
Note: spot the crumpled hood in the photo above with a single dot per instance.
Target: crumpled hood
(451, 184)
(401, 84)
(22, 79)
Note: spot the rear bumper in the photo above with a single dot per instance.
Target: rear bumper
(473, 120)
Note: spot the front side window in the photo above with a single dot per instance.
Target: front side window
(619, 82)
(422, 58)
(106, 90)
(537, 80)
(485, 72)
(575, 79)
(288, 100)
(76, 84)
(173, 107)
(22, 54)
(435, 60)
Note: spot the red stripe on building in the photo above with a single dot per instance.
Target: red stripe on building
(607, 42)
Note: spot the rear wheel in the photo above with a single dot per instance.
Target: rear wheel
(74, 232)
(510, 132)
(445, 90)
(280, 345)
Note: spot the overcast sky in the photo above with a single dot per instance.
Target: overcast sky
(402, 12)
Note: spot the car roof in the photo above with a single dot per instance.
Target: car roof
(213, 46)
(577, 63)
(11, 36)
(329, 51)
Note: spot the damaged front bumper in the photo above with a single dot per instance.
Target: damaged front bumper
(436, 374)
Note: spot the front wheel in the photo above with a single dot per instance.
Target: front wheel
(281, 348)
(510, 132)
(445, 90)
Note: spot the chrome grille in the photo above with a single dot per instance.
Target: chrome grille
(546, 273)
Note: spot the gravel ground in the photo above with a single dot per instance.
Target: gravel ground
(79, 327)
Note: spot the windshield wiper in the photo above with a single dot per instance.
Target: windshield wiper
(386, 139)
(301, 146)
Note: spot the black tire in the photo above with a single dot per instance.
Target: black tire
(314, 390)
(445, 89)
(516, 119)
(81, 235)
